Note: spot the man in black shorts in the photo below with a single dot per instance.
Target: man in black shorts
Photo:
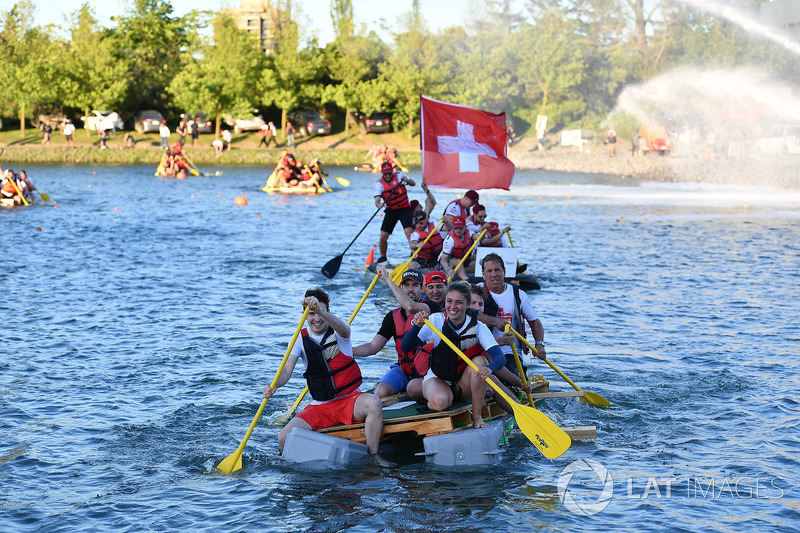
(390, 192)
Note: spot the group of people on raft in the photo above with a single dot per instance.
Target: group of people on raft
(379, 153)
(472, 317)
(463, 223)
(174, 163)
(16, 189)
(291, 172)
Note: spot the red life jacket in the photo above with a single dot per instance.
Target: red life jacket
(433, 247)
(401, 326)
(461, 245)
(464, 213)
(445, 363)
(394, 198)
(422, 362)
(330, 373)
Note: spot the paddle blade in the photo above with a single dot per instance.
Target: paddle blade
(545, 434)
(397, 273)
(194, 171)
(343, 182)
(45, 197)
(595, 400)
(231, 463)
(332, 267)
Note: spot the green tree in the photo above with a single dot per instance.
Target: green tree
(223, 79)
(342, 17)
(351, 61)
(153, 41)
(292, 76)
(93, 76)
(27, 60)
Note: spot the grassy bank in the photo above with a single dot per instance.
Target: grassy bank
(330, 150)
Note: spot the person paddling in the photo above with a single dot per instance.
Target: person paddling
(449, 379)
(332, 375)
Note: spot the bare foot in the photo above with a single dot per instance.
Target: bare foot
(479, 423)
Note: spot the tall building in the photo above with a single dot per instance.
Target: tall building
(259, 18)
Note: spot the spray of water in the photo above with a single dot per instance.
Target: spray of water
(746, 22)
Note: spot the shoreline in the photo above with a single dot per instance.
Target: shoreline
(776, 170)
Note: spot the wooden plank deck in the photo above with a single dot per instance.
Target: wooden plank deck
(419, 420)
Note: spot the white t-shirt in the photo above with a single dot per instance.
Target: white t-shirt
(163, 130)
(226, 136)
(506, 310)
(69, 129)
(455, 209)
(426, 334)
(298, 350)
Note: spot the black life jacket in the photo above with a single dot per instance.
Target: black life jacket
(444, 361)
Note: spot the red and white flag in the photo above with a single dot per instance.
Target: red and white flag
(463, 147)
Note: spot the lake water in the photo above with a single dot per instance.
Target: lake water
(142, 321)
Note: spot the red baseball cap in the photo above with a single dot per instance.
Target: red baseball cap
(435, 276)
(477, 208)
(459, 222)
(494, 228)
(386, 168)
(472, 195)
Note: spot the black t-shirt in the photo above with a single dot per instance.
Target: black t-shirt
(387, 326)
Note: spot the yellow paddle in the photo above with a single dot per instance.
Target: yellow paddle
(545, 434)
(397, 273)
(234, 461)
(591, 397)
(522, 375)
(349, 321)
(469, 252)
(14, 183)
(45, 197)
(342, 181)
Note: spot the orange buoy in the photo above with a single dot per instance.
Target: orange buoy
(240, 200)
(181, 175)
(38, 228)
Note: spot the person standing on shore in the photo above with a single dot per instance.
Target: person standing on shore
(181, 130)
(194, 129)
(69, 133)
(611, 141)
(48, 133)
(163, 130)
(289, 135)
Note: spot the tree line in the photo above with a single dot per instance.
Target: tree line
(567, 59)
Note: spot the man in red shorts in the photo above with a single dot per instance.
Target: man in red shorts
(332, 375)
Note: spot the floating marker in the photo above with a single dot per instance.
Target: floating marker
(240, 200)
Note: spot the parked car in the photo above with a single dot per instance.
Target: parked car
(203, 124)
(376, 122)
(251, 123)
(780, 140)
(103, 120)
(48, 111)
(309, 123)
(147, 121)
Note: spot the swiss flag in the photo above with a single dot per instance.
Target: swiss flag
(463, 147)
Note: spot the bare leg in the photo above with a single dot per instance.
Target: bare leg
(368, 408)
(383, 389)
(295, 422)
(383, 244)
(438, 394)
(474, 388)
(414, 389)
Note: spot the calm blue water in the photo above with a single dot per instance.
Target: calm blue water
(137, 341)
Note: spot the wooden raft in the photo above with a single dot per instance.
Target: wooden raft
(421, 421)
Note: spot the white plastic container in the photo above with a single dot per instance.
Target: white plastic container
(304, 446)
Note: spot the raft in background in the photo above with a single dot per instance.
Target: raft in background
(526, 282)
